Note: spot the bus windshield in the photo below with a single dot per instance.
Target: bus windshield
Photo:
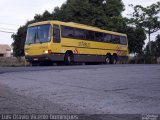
(38, 34)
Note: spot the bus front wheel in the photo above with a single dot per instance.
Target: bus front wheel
(68, 59)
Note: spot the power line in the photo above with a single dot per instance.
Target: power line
(6, 31)
(9, 24)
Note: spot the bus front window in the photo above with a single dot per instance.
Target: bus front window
(38, 34)
(31, 35)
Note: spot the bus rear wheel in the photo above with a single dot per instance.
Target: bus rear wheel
(114, 59)
(68, 59)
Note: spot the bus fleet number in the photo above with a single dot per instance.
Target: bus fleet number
(84, 44)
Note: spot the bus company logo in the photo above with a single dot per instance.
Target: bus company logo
(118, 50)
(43, 47)
(75, 51)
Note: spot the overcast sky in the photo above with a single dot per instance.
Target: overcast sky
(14, 13)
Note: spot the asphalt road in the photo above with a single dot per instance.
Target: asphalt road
(93, 89)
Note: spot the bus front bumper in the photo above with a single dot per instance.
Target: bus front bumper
(45, 57)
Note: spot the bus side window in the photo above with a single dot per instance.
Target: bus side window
(115, 39)
(107, 38)
(90, 35)
(99, 36)
(56, 34)
(67, 32)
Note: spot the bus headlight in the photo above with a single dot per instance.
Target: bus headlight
(46, 51)
(26, 53)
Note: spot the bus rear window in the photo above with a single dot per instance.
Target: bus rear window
(123, 40)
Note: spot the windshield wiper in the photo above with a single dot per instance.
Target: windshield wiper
(39, 39)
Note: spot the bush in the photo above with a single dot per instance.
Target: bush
(144, 59)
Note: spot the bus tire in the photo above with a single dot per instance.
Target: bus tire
(114, 59)
(108, 59)
(68, 59)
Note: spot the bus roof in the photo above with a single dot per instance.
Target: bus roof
(76, 25)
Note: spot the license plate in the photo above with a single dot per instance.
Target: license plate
(35, 59)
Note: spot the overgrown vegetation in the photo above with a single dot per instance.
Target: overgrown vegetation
(12, 62)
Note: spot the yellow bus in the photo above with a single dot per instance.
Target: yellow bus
(68, 42)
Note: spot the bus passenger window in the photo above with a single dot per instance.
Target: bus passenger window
(56, 34)
(79, 34)
(99, 36)
(67, 32)
(90, 35)
(115, 39)
(107, 38)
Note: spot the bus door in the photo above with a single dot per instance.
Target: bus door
(56, 34)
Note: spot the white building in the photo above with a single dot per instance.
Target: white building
(5, 50)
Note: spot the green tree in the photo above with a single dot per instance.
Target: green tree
(153, 51)
(155, 47)
(91, 12)
(147, 18)
(136, 37)
(19, 41)
(158, 44)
